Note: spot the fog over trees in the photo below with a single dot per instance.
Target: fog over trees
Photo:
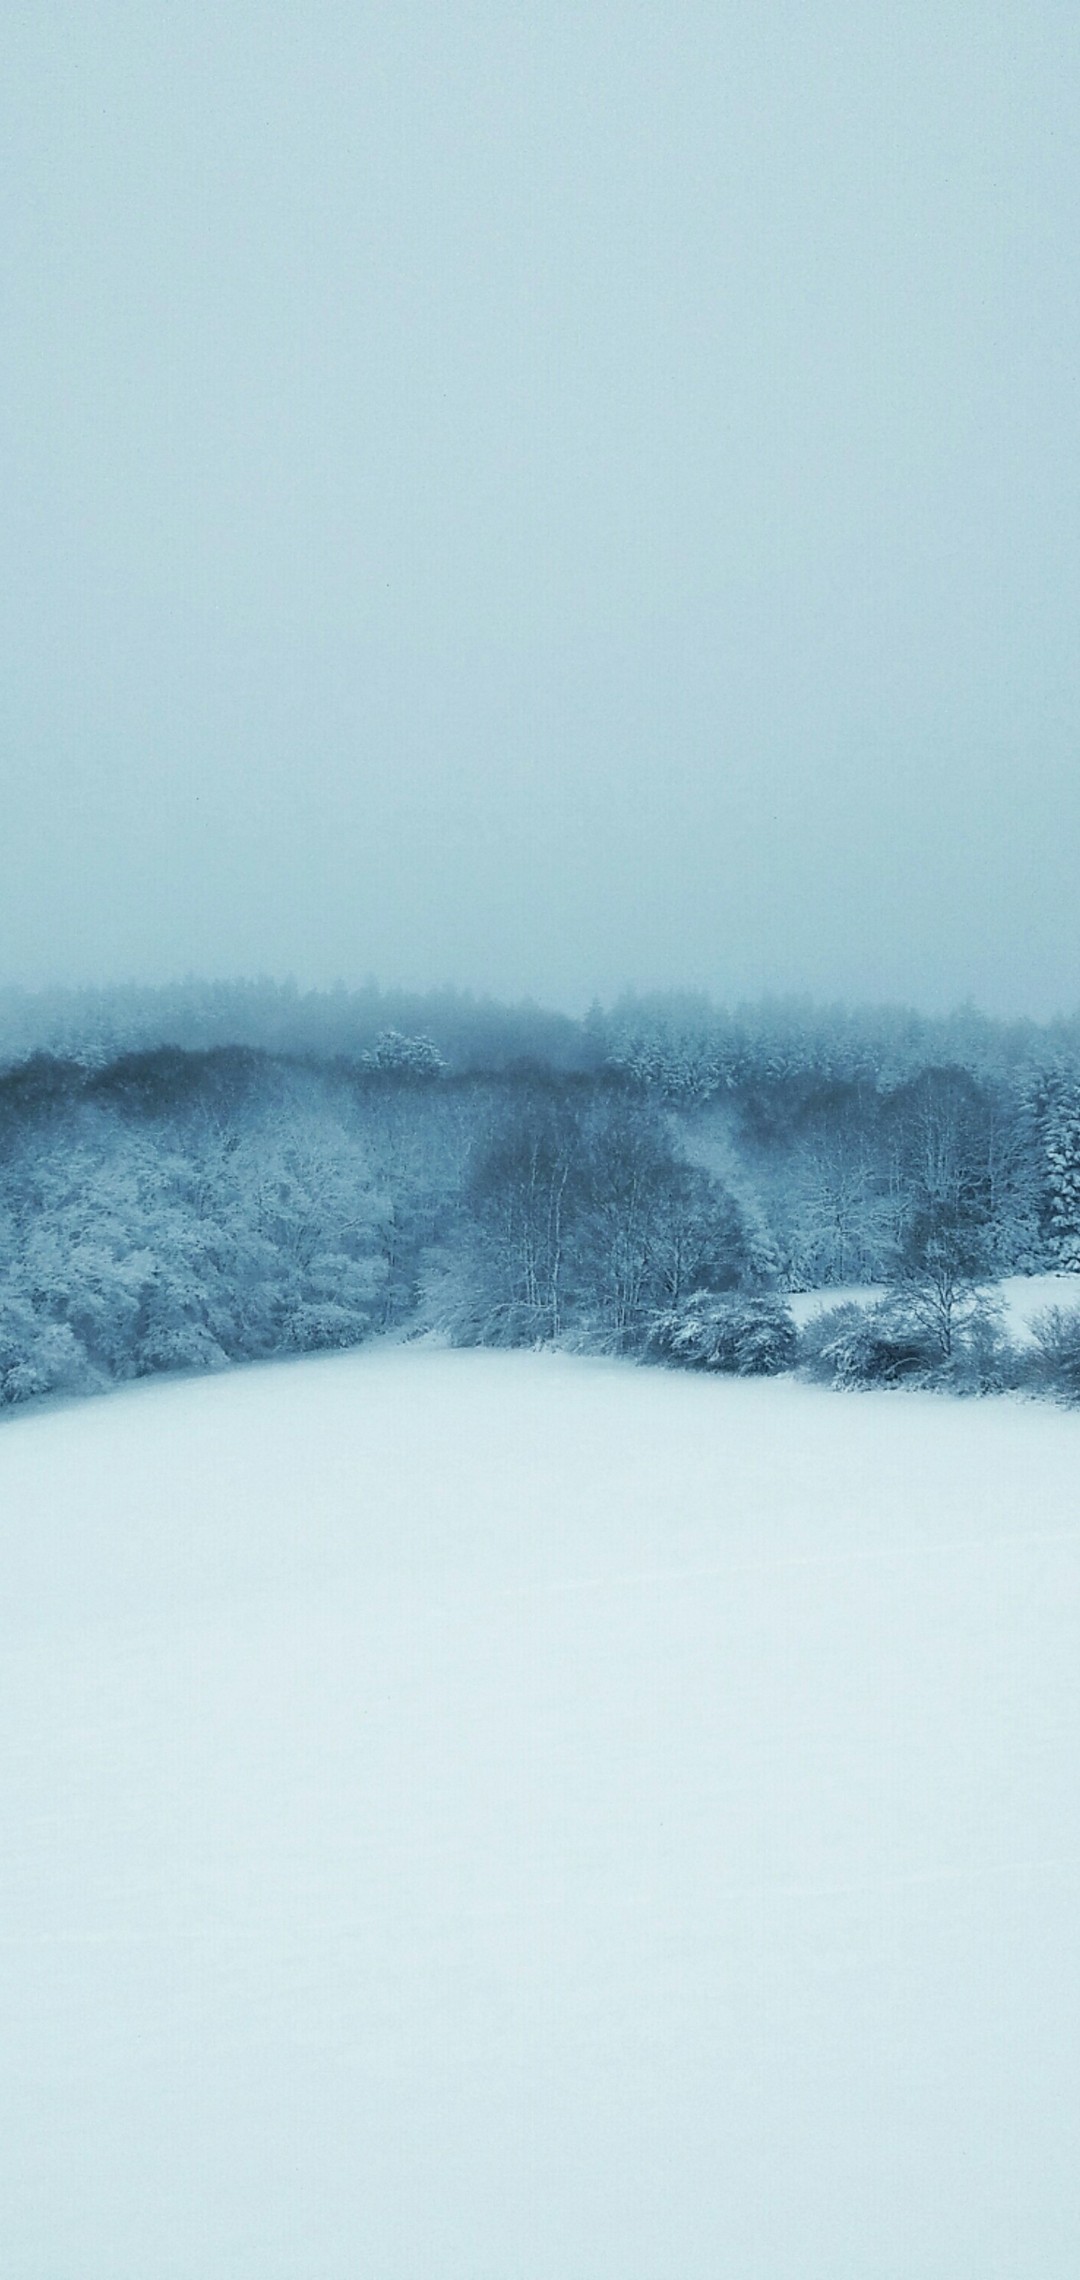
(213, 1174)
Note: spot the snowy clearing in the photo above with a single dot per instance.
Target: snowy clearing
(503, 1817)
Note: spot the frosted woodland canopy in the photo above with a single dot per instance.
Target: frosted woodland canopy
(216, 1174)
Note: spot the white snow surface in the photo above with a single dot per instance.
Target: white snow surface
(510, 1817)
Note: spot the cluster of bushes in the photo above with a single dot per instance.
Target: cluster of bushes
(894, 1341)
(1054, 1365)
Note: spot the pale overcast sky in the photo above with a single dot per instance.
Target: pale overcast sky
(544, 498)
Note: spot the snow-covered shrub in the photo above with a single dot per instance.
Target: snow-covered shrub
(894, 1343)
(178, 1346)
(733, 1332)
(1055, 1362)
(318, 1326)
(456, 1303)
(39, 1357)
(983, 1358)
(859, 1346)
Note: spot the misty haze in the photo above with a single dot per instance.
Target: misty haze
(540, 1142)
(546, 501)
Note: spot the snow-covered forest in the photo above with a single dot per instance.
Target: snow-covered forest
(208, 1175)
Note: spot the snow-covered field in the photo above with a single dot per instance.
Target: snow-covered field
(477, 1817)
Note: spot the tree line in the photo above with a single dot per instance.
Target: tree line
(660, 1190)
